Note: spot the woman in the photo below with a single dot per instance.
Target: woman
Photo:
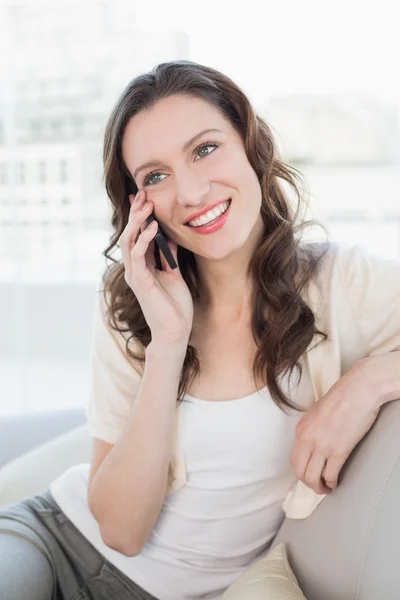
(182, 496)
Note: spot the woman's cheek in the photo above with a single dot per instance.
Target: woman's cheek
(223, 169)
(163, 205)
(160, 194)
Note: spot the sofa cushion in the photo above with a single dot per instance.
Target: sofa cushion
(269, 578)
(32, 472)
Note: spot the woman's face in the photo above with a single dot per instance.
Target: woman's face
(183, 181)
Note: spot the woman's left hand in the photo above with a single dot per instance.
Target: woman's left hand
(330, 430)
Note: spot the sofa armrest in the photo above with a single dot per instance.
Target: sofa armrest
(21, 433)
(33, 472)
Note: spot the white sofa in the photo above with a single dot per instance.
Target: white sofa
(348, 549)
(36, 448)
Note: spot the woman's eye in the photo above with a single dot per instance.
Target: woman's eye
(149, 176)
(147, 180)
(206, 146)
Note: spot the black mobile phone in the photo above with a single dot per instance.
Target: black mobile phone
(161, 242)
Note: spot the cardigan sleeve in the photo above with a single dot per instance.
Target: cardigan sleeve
(114, 384)
(114, 378)
(372, 283)
(369, 285)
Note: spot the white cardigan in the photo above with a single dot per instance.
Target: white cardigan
(356, 302)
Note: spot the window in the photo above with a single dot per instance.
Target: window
(331, 97)
(3, 174)
(63, 170)
(42, 171)
(21, 173)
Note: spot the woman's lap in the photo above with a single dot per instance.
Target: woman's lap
(25, 572)
(52, 551)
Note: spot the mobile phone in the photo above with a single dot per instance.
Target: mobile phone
(160, 239)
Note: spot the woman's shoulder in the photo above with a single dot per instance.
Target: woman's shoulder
(368, 279)
(351, 260)
(327, 252)
(110, 336)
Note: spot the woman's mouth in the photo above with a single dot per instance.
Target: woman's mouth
(213, 225)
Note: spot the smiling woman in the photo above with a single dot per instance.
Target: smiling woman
(205, 499)
(152, 144)
(193, 411)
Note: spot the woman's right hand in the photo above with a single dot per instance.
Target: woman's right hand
(164, 297)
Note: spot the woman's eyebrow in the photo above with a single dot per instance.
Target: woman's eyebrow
(185, 147)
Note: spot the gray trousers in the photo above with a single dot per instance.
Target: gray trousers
(43, 556)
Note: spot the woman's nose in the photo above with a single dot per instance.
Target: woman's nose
(191, 191)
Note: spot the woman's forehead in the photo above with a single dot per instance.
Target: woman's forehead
(174, 115)
(157, 132)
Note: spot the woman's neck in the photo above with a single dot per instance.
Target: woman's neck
(228, 304)
(225, 285)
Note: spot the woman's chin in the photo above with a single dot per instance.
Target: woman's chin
(217, 255)
(217, 251)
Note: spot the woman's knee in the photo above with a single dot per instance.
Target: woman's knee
(25, 571)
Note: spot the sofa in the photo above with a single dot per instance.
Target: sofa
(347, 549)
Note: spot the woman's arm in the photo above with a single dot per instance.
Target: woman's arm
(330, 430)
(129, 487)
(383, 373)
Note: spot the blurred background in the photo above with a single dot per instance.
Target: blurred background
(324, 76)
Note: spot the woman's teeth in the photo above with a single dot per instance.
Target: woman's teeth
(210, 215)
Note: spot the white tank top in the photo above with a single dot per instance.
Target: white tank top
(237, 455)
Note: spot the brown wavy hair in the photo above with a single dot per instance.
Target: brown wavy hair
(280, 267)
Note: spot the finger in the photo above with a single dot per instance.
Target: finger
(332, 470)
(144, 226)
(301, 454)
(313, 474)
(137, 217)
(164, 263)
(138, 252)
(150, 258)
(124, 247)
(125, 239)
(137, 200)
